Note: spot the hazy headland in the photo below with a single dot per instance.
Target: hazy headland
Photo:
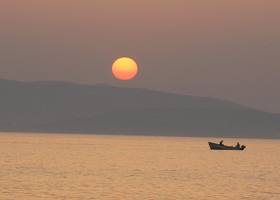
(103, 109)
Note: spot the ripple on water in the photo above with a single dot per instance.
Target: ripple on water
(42, 166)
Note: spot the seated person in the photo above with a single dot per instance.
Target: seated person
(237, 145)
(221, 142)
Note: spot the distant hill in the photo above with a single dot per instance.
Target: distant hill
(102, 109)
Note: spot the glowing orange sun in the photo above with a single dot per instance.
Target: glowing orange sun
(124, 68)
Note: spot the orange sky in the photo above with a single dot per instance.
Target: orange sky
(221, 48)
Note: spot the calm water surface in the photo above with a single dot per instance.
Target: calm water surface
(48, 166)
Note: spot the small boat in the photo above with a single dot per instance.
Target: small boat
(215, 146)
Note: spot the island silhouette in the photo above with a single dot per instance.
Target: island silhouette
(103, 109)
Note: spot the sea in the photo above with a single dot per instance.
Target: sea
(106, 167)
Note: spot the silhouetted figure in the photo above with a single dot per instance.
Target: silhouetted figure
(222, 142)
(237, 145)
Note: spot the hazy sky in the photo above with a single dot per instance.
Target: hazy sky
(221, 48)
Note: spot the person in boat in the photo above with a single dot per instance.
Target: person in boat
(238, 145)
(222, 142)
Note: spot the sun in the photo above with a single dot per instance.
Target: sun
(125, 68)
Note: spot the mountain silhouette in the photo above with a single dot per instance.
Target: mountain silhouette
(102, 109)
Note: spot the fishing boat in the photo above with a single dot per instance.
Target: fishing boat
(215, 146)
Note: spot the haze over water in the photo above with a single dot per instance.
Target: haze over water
(61, 166)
